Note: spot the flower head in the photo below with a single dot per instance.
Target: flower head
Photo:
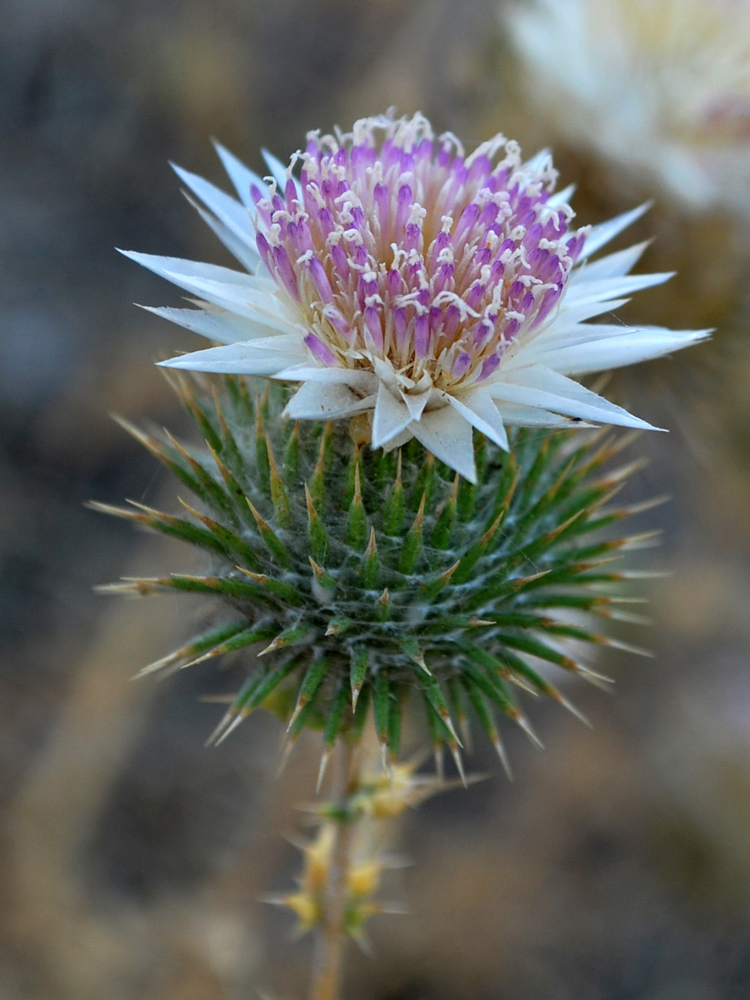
(432, 290)
(662, 86)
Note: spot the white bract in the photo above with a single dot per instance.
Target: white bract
(662, 86)
(434, 291)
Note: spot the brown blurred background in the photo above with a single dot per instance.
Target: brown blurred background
(617, 865)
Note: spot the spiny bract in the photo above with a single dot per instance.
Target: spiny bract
(368, 576)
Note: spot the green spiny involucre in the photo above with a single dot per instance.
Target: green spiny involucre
(369, 576)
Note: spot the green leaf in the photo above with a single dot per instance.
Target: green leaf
(370, 570)
(279, 497)
(412, 545)
(200, 644)
(441, 533)
(292, 456)
(356, 525)
(358, 673)
(262, 464)
(309, 687)
(395, 505)
(272, 542)
(335, 717)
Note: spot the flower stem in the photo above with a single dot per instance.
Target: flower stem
(331, 938)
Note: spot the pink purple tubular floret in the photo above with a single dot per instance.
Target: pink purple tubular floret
(412, 252)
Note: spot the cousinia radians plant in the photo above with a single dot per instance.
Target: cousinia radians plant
(398, 495)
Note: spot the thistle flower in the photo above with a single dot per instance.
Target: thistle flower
(661, 86)
(431, 291)
(436, 298)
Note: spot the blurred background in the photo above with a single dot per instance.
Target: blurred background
(617, 865)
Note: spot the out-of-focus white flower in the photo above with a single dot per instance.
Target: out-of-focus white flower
(401, 278)
(662, 86)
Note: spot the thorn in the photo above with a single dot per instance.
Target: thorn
(497, 743)
(262, 525)
(297, 709)
(459, 764)
(317, 570)
(448, 573)
(260, 578)
(179, 448)
(644, 505)
(598, 680)
(151, 511)
(620, 444)
(646, 540)
(521, 581)
(562, 700)
(241, 716)
(286, 753)
(108, 508)
(556, 532)
(630, 574)
(145, 439)
(624, 616)
(520, 682)
(623, 473)
(524, 723)
(418, 657)
(626, 647)
(216, 651)
(324, 758)
(311, 512)
(419, 519)
(488, 535)
(439, 762)
(193, 511)
(611, 599)
(228, 717)
(320, 467)
(448, 722)
(165, 661)
(278, 643)
(552, 492)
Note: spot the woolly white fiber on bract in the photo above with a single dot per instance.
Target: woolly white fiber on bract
(398, 277)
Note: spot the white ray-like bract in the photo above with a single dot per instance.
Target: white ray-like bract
(661, 86)
(397, 277)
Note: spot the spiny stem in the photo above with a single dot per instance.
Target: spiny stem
(331, 936)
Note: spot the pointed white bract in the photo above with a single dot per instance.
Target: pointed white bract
(661, 86)
(398, 277)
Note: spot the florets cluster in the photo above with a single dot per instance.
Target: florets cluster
(431, 291)
(416, 256)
